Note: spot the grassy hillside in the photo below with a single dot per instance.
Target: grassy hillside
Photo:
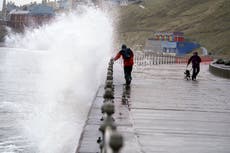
(204, 21)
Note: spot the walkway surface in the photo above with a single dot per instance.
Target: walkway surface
(164, 113)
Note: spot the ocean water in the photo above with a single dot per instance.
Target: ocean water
(48, 79)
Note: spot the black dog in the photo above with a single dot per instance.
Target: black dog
(187, 74)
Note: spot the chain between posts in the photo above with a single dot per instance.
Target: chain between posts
(111, 141)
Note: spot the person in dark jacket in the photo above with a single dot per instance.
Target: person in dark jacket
(195, 59)
(127, 55)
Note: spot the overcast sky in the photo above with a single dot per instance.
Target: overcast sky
(19, 2)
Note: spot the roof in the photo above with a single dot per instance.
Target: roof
(41, 10)
(15, 11)
(35, 10)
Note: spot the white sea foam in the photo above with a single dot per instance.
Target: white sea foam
(75, 50)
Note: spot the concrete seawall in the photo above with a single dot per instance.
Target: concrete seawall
(220, 70)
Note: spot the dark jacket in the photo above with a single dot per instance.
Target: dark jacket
(127, 62)
(195, 59)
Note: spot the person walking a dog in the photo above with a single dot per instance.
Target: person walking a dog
(195, 59)
(127, 55)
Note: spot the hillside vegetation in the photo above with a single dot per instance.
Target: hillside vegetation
(204, 21)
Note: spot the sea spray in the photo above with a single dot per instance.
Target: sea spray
(75, 50)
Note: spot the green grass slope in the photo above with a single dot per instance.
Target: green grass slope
(204, 21)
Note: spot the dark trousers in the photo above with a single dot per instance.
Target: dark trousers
(196, 70)
(127, 72)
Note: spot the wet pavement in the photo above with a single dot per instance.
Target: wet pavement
(161, 112)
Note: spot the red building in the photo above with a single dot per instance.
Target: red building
(32, 17)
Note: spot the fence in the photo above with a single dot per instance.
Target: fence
(143, 59)
(149, 58)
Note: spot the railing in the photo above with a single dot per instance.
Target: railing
(150, 58)
(111, 141)
(143, 59)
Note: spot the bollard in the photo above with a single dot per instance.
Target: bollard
(108, 122)
(99, 140)
(111, 60)
(109, 86)
(109, 83)
(101, 145)
(109, 73)
(109, 77)
(108, 108)
(116, 142)
(108, 94)
(110, 68)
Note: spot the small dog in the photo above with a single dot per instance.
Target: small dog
(187, 74)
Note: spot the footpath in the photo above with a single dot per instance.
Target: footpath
(161, 112)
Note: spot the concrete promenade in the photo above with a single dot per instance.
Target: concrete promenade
(162, 112)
